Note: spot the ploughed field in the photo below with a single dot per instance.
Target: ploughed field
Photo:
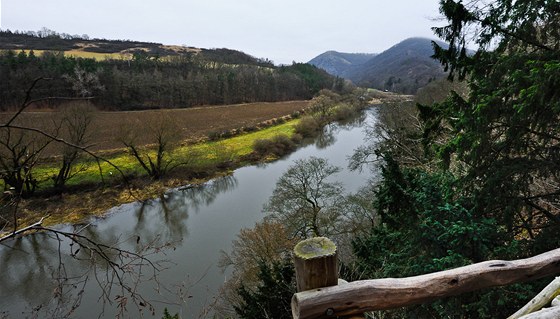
(192, 124)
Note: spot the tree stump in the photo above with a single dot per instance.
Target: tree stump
(316, 264)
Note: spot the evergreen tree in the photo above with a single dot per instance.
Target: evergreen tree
(272, 297)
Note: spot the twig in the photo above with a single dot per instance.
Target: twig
(19, 231)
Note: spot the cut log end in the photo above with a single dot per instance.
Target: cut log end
(317, 247)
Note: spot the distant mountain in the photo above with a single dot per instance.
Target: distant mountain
(338, 63)
(403, 68)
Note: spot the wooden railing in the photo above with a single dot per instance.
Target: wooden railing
(320, 296)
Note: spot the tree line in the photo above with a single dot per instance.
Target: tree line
(149, 81)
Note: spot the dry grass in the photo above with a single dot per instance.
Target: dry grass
(90, 55)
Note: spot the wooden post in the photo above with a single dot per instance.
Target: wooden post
(316, 264)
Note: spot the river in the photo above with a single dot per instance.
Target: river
(197, 223)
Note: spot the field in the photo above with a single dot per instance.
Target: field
(88, 55)
(205, 157)
(192, 123)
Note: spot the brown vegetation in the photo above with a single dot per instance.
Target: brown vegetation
(194, 123)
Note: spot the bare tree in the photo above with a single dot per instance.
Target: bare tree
(153, 158)
(305, 201)
(75, 123)
(84, 83)
(114, 268)
(19, 153)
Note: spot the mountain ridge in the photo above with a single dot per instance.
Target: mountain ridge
(404, 67)
(336, 63)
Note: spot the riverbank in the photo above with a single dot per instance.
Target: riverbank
(204, 161)
(199, 222)
(100, 187)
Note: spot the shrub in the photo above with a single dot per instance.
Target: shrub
(278, 145)
(297, 138)
(213, 136)
(279, 120)
(249, 128)
(308, 127)
(271, 298)
(343, 112)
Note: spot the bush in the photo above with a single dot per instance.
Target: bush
(297, 138)
(343, 112)
(214, 135)
(279, 120)
(271, 298)
(278, 145)
(308, 127)
(250, 128)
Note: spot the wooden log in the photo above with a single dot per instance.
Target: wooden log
(541, 300)
(316, 263)
(389, 293)
(546, 313)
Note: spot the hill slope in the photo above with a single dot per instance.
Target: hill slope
(142, 75)
(403, 68)
(53, 41)
(338, 63)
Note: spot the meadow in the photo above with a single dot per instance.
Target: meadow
(88, 55)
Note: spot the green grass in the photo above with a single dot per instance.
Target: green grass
(199, 156)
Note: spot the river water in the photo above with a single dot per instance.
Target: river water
(194, 224)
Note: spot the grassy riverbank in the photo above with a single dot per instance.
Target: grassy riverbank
(119, 178)
(99, 187)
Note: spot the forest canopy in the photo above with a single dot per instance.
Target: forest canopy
(153, 77)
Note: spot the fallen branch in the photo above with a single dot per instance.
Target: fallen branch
(546, 313)
(358, 297)
(24, 229)
(542, 299)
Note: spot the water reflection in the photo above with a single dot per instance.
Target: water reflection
(199, 220)
(40, 277)
(205, 194)
(329, 135)
(54, 264)
(165, 219)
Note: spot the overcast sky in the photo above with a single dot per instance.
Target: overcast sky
(280, 30)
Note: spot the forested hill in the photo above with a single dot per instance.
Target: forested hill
(338, 63)
(140, 75)
(48, 40)
(403, 68)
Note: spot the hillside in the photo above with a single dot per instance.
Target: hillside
(127, 75)
(338, 63)
(52, 41)
(403, 68)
